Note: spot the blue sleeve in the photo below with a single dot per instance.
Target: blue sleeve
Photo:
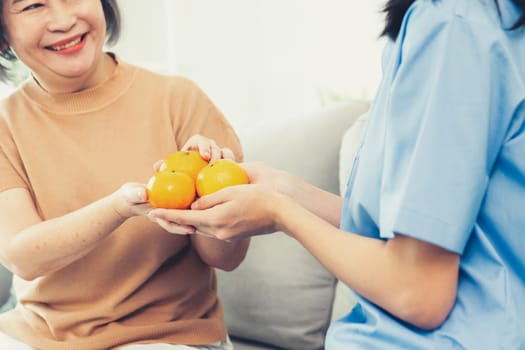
(441, 136)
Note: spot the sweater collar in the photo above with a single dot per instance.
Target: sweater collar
(84, 101)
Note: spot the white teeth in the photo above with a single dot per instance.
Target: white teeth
(65, 46)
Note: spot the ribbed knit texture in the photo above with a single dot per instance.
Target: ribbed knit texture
(141, 284)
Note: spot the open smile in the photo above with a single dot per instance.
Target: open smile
(64, 45)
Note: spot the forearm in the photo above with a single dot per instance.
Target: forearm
(398, 283)
(55, 243)
(413, 280)
(324, 204)
(220, 254)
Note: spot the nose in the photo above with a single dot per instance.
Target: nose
(61, 16)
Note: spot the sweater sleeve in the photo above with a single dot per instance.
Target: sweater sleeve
(194, 113)
(11, 167)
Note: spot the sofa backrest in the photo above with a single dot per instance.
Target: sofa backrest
(281, 295)
(5, 284)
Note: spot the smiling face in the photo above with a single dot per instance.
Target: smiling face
(61, 41)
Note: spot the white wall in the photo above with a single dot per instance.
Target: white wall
(260, 58)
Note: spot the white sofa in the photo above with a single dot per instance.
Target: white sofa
(5, 285)
(281, 297)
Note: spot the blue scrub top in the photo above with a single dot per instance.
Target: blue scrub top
(442, 160)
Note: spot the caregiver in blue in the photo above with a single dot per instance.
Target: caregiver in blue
(431, 232)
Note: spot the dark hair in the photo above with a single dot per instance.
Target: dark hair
(7, 56)
(395, 10)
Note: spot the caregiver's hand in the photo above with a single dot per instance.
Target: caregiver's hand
(229, 214)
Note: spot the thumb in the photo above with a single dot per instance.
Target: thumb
(211, 200)
(136, 194)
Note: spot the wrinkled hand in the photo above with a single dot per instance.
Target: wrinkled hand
(131, 200)
(208, 148)
(232, 213)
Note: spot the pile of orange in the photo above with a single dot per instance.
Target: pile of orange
(184, 175)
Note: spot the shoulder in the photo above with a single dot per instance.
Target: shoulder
(482, 17)
(13, 103)
(460, 28)
(175, 88)
(437, 11)
(449, 25)
(156, 80)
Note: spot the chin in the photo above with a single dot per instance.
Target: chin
(74, 71)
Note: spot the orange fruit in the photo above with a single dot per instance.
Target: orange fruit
(219, 174)
(189, 162)
(171, 190)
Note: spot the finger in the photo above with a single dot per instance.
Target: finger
(201, 144)
(159, 165)
(180, 217)
(211, 235)
(142, 209)
(216, 152)
(151, 218)
(188, 220)
(228, 153)
(175, 228)
(206, 150)
(210, 200)
(192, 142)
(203, 147)
(205, 234)
(136, 195)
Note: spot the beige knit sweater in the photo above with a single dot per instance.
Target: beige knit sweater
(141, 284)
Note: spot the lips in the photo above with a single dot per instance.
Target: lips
(66, 44)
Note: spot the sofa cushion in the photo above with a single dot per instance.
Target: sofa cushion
(10, 303)
(241, 344)
(281, 295)
(5, 284)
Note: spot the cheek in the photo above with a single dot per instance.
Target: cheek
(97, 22)
(92, 11)
(23, 34)
(22, 43)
